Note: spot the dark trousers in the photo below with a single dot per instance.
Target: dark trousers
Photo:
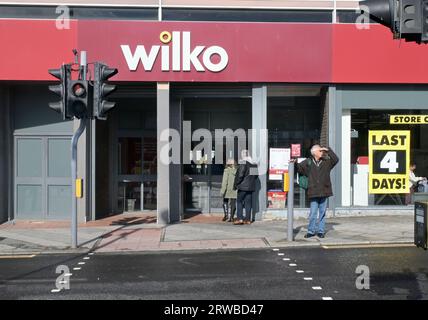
(232, 203)
(245, 199)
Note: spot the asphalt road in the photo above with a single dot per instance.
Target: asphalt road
(263, 274)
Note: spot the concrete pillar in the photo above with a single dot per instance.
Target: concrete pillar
(346, 158)
(259, 147)
(335, 142)
(169, 178)
(5, 155)
(175, 169)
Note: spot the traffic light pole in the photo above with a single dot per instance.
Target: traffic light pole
(290, 202)
(74, 142)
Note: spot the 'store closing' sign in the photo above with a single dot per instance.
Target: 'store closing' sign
(389, 161)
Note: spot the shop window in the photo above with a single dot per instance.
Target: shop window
(361, 122)
(349, 16)
(130, 161)
(294, 116)
(249, 15)
(96, 13)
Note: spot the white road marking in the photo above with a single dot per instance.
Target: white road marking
(293, 265)
(327, 298)
(280, 254)
(300, 271)
(275, 249)
(286, 259)
(317, 288)
(80, 263)
(55, 290)
(307, 279)
(68, 274)
(91, 253)
(86, 258)
(77, 268)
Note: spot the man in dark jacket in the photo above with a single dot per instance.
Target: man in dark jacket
(317, 168)
(245, 183)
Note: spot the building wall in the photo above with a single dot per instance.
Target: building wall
(5, 153)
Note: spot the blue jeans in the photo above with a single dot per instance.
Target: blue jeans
(321, 205)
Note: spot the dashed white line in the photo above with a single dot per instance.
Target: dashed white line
(307, 279)
(300, 271)
(55, 290)
(91, 253)
(286, 259)
(86, 258)
(68, 274)
(316, 288)
(77, 268)
(280, 254)
(293, 265)
(327, 298)
(81, 263)
(275, 249)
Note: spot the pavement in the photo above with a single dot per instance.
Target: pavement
(139, 232)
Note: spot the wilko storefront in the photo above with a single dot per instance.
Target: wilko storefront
(193, 84)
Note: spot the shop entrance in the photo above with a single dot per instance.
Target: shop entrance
(135, 154)
(201, 180)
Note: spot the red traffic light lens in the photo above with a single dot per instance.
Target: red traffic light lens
(79, 90)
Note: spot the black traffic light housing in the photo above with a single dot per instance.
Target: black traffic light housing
(63, 75)
(79, 99)
(407, 19)
(102, 90)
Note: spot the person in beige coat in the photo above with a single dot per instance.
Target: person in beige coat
(227, 192)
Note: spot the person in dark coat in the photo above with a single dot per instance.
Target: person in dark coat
(317, 168)
(245, 183)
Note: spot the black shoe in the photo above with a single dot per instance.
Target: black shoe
(309, 235)
(320, 235)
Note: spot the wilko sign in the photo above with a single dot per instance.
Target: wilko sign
(176, 54)
(389, 161)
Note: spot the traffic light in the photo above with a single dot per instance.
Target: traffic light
(102, 90)
(64, 75)
(407, 19)
(78, 99)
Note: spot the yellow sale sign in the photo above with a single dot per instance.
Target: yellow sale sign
(389, 161)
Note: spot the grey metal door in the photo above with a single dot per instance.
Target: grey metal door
(42, 184)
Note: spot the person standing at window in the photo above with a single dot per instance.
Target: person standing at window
(227, 192)
(317, 168)
(245, 183)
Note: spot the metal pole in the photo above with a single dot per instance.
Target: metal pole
(74, 142)
(83, 64)
(290, 202)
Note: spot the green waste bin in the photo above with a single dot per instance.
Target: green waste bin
(421, 226)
